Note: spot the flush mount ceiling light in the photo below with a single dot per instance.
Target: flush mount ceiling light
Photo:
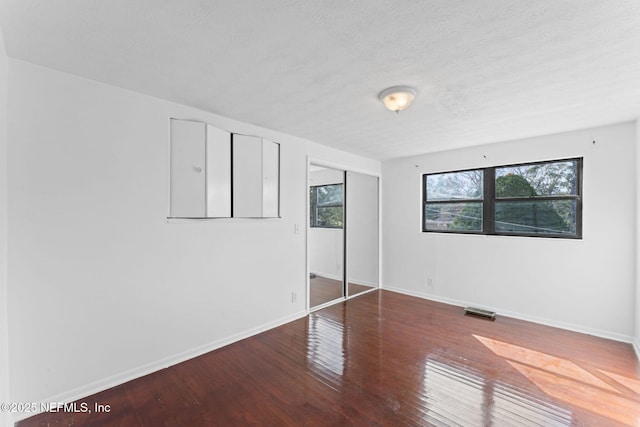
(397, 98)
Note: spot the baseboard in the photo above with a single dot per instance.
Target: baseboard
(636, 347)
(351, 281)
(140, 371)
(328, 276)
(363, 283)
(520, 316)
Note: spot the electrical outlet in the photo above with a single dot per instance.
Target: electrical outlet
(430, 285)
(294, 297)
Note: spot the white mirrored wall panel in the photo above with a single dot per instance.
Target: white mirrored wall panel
(256, 170)
(217, 174)
(326, 235)
(188, 169)
(362, 232)
(247, 176)
(270, 179)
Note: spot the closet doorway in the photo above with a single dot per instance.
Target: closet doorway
(343, 234)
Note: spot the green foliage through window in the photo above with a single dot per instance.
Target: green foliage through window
(535, 199)
(327, 206)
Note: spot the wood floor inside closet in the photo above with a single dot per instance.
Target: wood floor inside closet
(323, 290)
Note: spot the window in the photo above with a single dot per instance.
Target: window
(327, 206)
(540, 199)
(454, 201)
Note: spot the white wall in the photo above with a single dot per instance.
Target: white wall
(636, 342)
(585, 285)
(101, 286)
(4, 333)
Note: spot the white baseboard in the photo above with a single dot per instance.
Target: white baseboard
(363, 283)
(328, 275)
(520, 316)
(636, 347)
(352, 281)
(123, 377)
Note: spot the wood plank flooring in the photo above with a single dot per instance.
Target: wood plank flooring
(385, 359)
(322, 290)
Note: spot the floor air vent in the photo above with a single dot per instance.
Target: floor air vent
(473, 311)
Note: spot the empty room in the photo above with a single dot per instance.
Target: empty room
(296, 213)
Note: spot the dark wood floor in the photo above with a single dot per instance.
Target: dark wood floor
(385, 359)
(322, 290)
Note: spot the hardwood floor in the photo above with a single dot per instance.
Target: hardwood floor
(385, 359)
(322, 290)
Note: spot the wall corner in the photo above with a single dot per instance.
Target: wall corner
(5, 417)
(636, 341)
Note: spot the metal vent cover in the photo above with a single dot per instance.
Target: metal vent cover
(474, 311)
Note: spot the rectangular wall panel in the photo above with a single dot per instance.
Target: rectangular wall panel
(270, 179)
(187, 175)
(362, 229)
(247, 176)
(218, 176)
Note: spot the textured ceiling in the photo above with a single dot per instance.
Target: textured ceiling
(485, 70)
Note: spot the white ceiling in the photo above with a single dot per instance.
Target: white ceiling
(485, 70)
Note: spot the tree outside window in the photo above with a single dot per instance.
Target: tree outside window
(327, 206)
(534, 199)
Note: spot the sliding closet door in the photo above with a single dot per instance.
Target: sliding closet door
(362, 232)
(326, 235)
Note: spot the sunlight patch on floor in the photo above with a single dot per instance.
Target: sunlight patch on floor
(631, 384)
(544, 361)
(457, 395)
(612, 406)
(566, 381)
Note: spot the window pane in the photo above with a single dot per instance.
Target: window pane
(326, 208)
(329, 217)
(329, 194)
(453, 216)
(536, 217)
(454, 185)
(542, 179)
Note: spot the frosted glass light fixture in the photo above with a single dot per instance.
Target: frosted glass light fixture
(397, 98)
